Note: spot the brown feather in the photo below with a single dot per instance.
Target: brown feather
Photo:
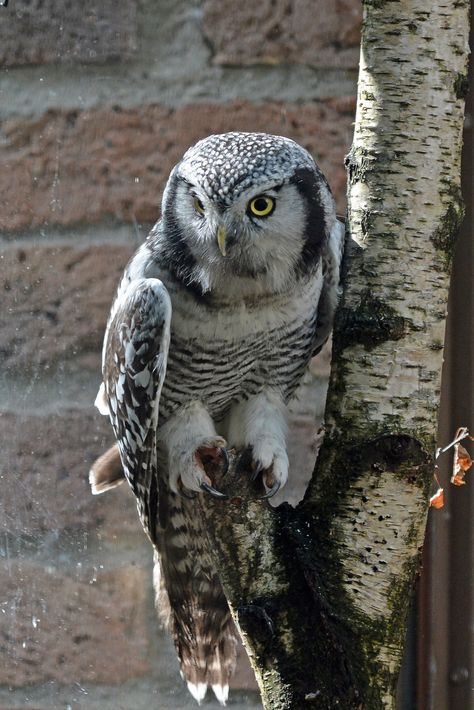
(190, 598)
(107, 471)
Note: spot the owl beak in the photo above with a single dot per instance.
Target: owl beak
(221, 237)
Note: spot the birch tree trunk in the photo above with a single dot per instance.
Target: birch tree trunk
(321, 592)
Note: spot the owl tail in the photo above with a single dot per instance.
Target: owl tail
(210, 660)
(193, 607)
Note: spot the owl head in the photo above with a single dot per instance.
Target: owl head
(245, 213)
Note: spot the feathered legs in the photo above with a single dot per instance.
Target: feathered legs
(189, 438)
(260, 422)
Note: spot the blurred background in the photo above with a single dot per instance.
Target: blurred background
(98, 100)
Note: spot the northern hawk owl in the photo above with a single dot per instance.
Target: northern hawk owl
(214, 323)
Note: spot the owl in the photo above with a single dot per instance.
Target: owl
(214, 323)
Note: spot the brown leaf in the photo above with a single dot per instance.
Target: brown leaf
(437, 500)
(462, 462)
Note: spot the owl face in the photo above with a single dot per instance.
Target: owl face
(247, 211)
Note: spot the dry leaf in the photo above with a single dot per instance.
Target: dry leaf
(437, 500)
(462, 463)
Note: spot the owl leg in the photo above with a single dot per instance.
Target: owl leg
(260, 422)
(191, 442)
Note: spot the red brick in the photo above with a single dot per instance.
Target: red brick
(45, 487)
(82, 166)
(312, 32)
(55, 302)
(34, 32)
(70, 628)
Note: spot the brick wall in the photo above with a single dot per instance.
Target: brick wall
(98, 100)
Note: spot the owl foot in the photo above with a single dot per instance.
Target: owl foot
(194, 466)
(271, 484)
(272, 469)
(212, 457)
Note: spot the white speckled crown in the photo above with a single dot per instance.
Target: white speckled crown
(226, 164)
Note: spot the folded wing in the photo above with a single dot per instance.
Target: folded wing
(134, 367)
(331, 262)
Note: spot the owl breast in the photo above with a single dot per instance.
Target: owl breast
(221, 354)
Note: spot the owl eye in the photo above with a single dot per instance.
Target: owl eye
(198, 206)
(261, 206)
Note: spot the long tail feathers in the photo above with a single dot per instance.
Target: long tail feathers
(221, 692)
(207, 651)
(210, 661)
(204, 633)
(199, 690)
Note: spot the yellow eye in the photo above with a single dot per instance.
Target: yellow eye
(261, 206)
(198, 206)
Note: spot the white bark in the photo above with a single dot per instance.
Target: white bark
(404, 209)
(407, 147)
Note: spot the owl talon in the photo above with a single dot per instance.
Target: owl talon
(272, 492)
(273, 485)
(183, 493)
(212, 491)
(225, 460)
(257, 470)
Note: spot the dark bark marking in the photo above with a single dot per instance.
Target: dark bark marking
(372, 322)
(445, 235)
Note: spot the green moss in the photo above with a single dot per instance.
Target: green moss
(461, 85)
(347, 674)
(370, 323)
(400, 599)
(341, 462)
(444, 237)
(375, 4)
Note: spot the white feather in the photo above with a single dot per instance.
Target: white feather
(221, 692)
(198, 691)
(100, 401)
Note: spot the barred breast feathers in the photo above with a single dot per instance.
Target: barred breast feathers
(221, 318)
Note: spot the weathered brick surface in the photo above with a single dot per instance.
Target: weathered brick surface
(65, 617)
(94, 629)
(69, 167)
(35, 32)
(81, 625)
(44, 478)
(314, 32)
(55, 301)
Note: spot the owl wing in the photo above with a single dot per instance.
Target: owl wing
(134, 366)
(331, 258)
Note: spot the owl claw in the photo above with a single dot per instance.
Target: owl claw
(183, 493)
(212, 491)
(225, 460)
(272, 492)
(274, 485)
(269, 467)
(257, 471)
